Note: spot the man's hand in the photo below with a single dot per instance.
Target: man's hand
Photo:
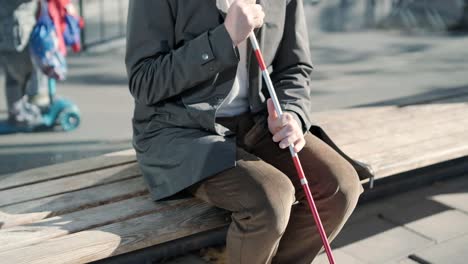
(242, 17)
(285, 129)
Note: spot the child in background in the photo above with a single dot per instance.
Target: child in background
(26, 84)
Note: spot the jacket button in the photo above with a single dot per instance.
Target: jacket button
(205, 56)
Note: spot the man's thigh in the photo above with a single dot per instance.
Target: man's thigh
(325, 169)
(252, 183)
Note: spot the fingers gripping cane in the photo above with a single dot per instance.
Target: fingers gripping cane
(294, 155)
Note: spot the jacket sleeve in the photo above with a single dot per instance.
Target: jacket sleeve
(292, 66)
(156, 70)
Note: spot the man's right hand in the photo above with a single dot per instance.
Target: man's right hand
(242, 17)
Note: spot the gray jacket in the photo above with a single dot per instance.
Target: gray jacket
(17, 19)
(181, 65)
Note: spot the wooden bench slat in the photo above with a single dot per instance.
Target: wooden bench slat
(66, 169)
(122, 237)
(36, 210)
(350, 120)
(410, 157)
(67, 184)
(414, 135)
(57, 226)
(381, 112)
(344, 135)
(74, 249)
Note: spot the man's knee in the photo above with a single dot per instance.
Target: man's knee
(349, 190)
(271, 204)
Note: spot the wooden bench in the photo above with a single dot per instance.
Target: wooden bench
(93, 209)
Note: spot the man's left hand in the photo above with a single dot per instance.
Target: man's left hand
(285, 129)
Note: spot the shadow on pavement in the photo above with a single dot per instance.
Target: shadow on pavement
(91, 80)
(428, 213)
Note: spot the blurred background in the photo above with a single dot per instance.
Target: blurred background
(365, 52)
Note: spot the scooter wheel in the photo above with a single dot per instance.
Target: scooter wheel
(69, 120)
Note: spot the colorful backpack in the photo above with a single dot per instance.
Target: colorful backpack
(44, 49)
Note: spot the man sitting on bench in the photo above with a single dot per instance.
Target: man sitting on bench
(203, 122)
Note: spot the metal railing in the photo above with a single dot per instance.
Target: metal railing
(419, 14)
(105, 20)
(411, 15)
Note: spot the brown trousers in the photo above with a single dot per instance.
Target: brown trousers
(271, 220)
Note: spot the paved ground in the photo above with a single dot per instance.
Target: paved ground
(351, 69)
(97, 84)
(427, 224)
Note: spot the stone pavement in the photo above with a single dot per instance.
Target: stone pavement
(426, 225)
(97, 83)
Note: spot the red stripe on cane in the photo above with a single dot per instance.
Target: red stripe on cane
(298, 166)
(260, 60)
(313, 209)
